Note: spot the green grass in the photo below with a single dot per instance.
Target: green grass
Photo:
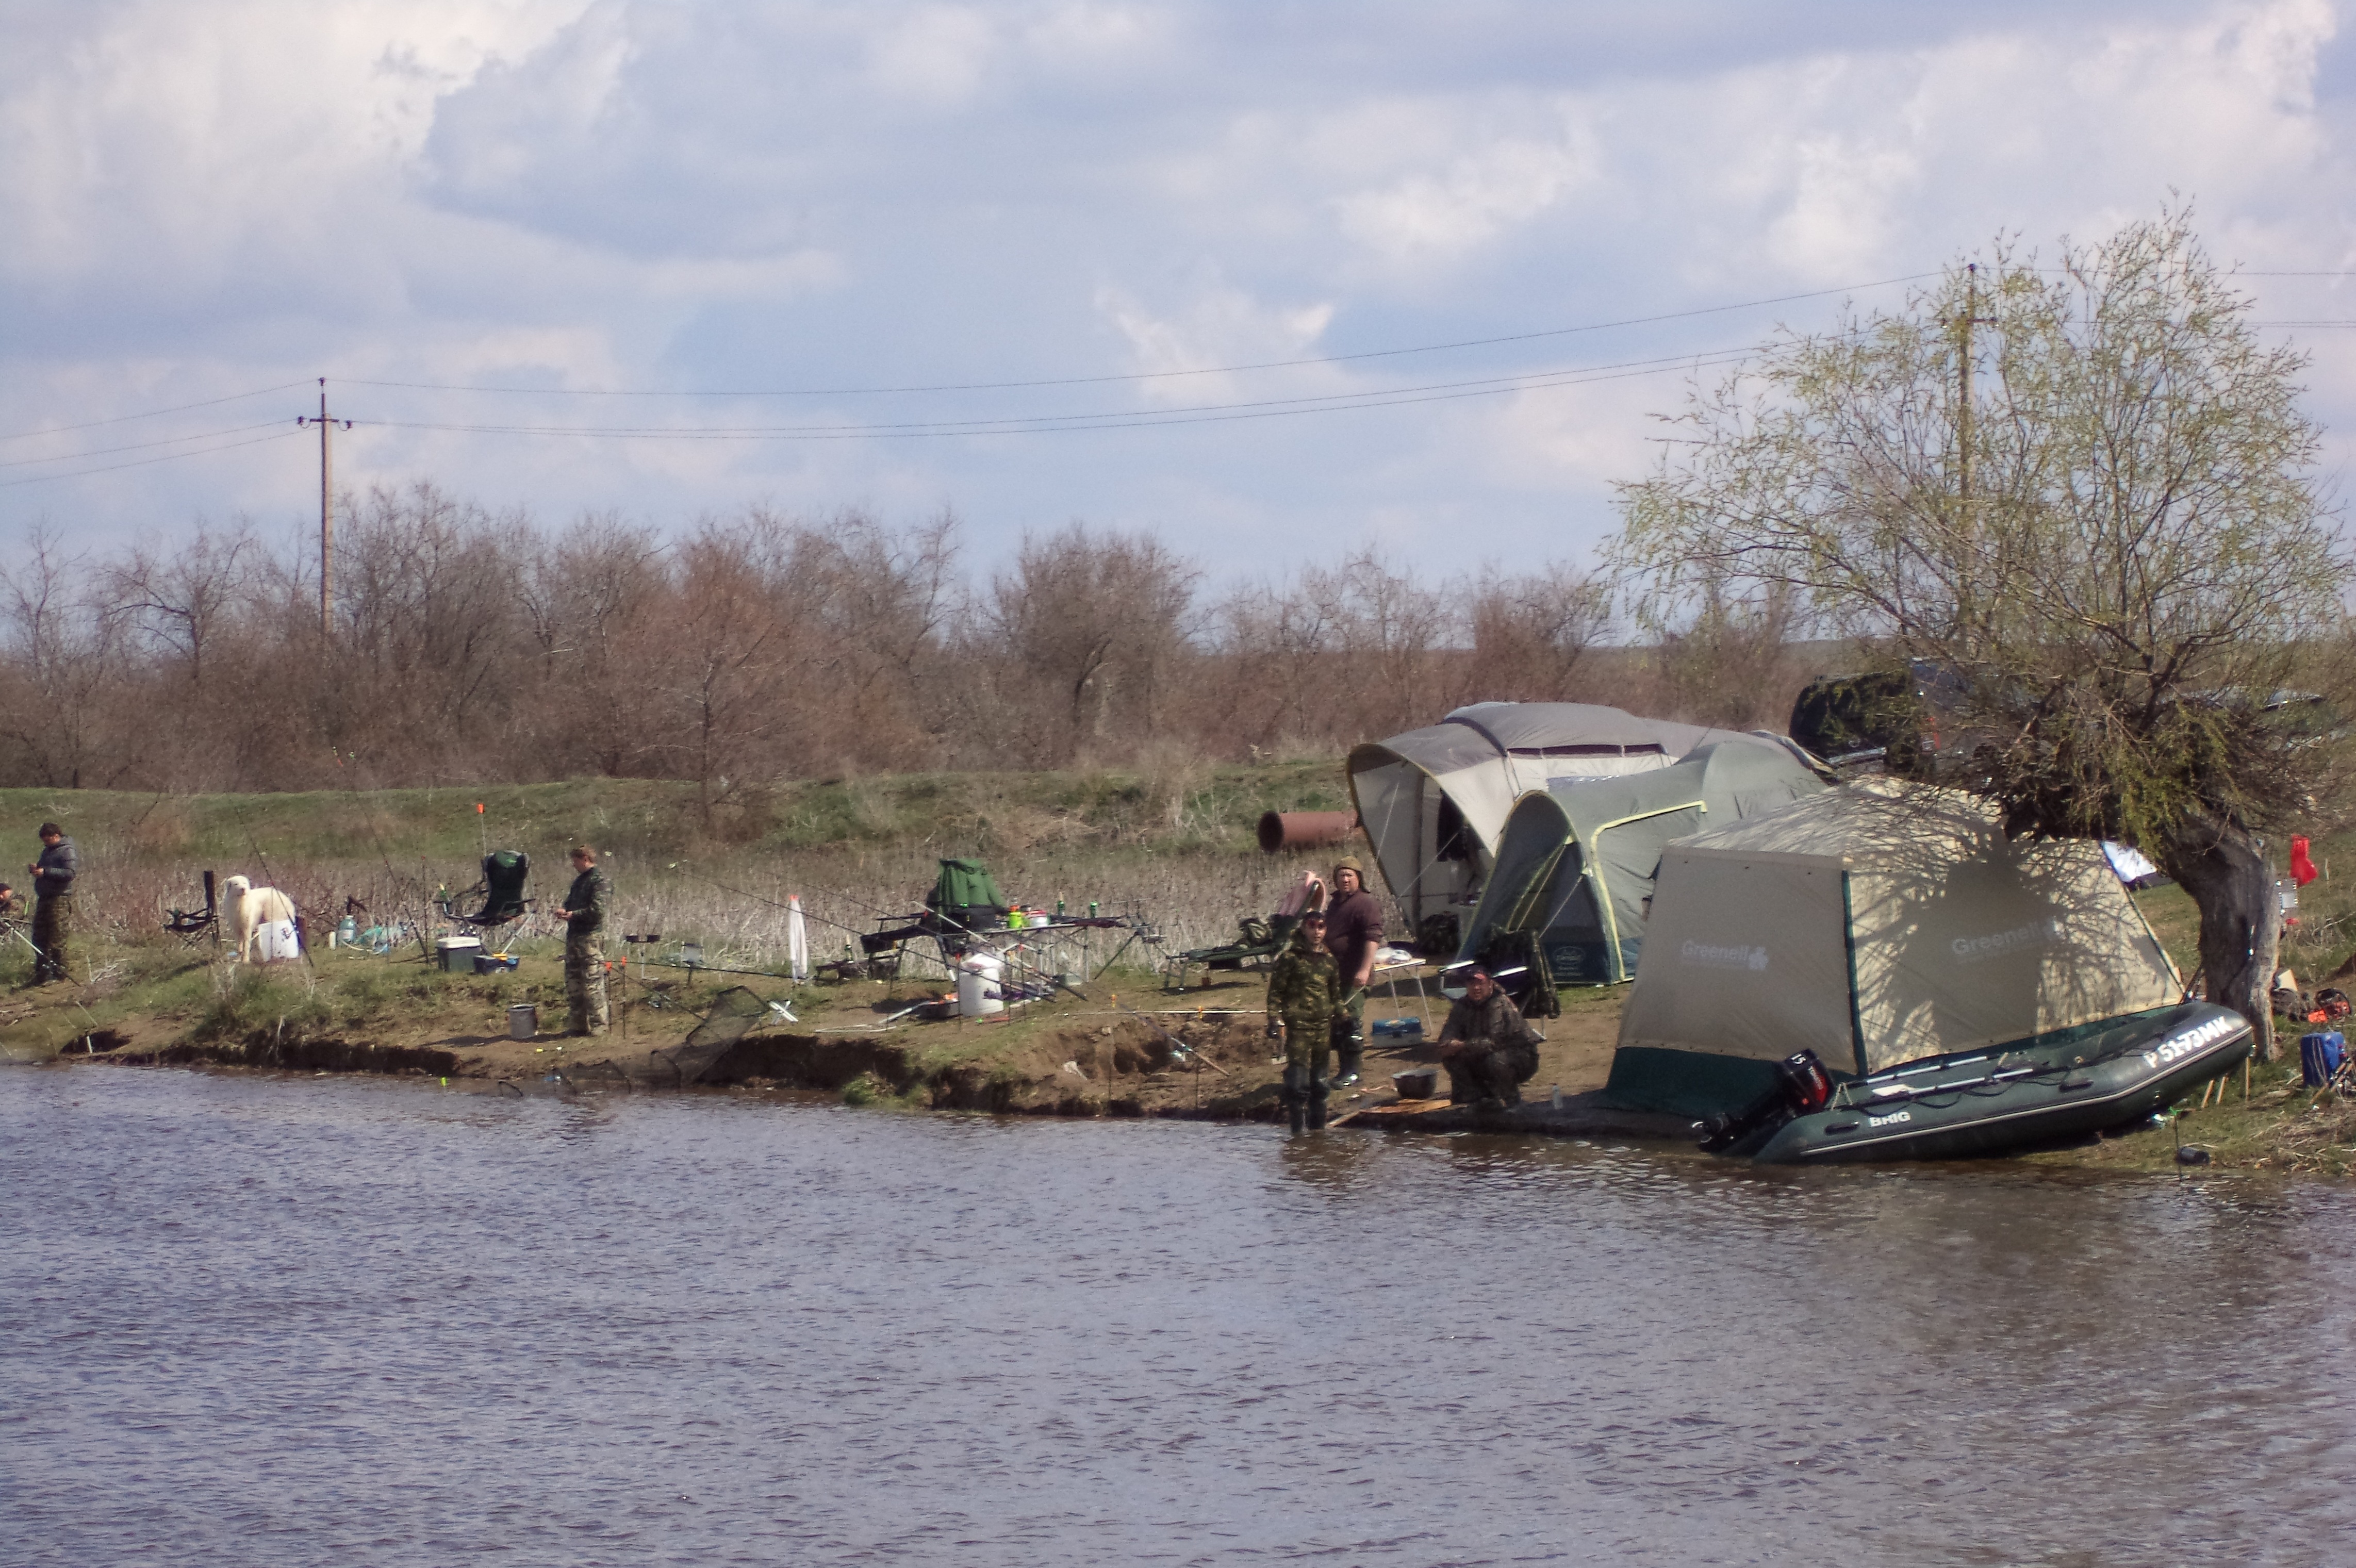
(1207, 809)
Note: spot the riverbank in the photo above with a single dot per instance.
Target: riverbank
(1125, 1048)
(1176, 850)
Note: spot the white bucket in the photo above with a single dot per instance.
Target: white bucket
(275, 940)
(979, 990)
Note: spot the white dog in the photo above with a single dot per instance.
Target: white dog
(247, 908)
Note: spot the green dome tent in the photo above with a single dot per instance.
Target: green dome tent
(1876, 925)
(1433, 800)
(1575, 864)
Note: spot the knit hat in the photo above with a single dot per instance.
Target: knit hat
(1350, 863)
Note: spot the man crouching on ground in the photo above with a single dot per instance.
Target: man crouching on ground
(1489, 1050)
(1304, 998)
(584, 956)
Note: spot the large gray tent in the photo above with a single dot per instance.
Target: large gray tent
(1875, 925)
(1575, 865)
(1434, 801)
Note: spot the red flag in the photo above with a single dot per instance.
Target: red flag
(2302, 869)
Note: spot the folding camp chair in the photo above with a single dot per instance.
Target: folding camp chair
(1260, 941)
(963, 901)
(501, 890)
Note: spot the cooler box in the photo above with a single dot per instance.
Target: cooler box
(456, 954)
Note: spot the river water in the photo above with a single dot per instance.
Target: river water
(258, 1321)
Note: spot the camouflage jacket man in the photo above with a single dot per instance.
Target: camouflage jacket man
(586, 899)
(1493, 1025)
(1304, 987)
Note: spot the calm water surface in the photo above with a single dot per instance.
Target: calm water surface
(259, 1321)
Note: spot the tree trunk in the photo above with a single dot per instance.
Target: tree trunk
(2240, 927)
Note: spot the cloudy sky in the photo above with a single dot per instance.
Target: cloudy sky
(1224, 270)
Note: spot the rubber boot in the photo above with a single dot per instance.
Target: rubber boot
(1347, 1057)
(1317, 1091)
(1295, 1099)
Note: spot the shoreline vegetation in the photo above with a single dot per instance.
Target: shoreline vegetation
(1174, 848)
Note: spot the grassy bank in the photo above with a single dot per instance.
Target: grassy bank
(1176, 849)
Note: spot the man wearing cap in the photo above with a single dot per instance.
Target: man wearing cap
(1353, 933)
(53, 880)
(1489, 1050)
(1304, 998)
(584, 916)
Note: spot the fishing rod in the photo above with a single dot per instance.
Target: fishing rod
(681, 867)
(1180, 1046)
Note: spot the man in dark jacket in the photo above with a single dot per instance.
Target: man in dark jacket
(1353, 933)
(53, 881)
(584, 954)
(1305, 997)
(1489, 1050)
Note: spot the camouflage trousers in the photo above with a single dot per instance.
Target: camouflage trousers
(1307, 1043)
(1480, 1071)
(584, 983)
(52, 930)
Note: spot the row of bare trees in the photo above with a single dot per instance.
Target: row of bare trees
(467, 647)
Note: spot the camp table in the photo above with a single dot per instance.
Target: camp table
(1390, 975)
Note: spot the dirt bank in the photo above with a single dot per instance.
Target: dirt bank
(1127, 1048)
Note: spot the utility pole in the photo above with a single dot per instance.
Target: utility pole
(327, 505)
(1962, 381)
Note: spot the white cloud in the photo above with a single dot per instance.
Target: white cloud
(201, 200)
(1479, 192)
(1221, 327)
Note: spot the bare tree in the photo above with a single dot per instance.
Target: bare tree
(1532, 632)
(2086, 492)
(1091, 624)
(63, 654)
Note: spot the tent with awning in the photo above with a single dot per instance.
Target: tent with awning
(1875, 925)
(1434, 801)
(1575, 864)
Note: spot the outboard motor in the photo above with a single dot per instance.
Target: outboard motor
(1801, 1085)
(1806, 1085)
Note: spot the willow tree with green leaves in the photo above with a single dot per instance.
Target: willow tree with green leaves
(2087, 490)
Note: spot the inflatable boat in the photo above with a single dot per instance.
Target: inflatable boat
(2058, 1085)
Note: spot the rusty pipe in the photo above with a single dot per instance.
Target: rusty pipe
(1281, 830)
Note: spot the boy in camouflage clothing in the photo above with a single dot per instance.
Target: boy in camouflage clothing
(1304, 998)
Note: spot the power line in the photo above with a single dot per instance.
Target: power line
(154, 413)
(1337, 399)
(144, 461)
(137, 446)
(1146, 375)
(1213, 413)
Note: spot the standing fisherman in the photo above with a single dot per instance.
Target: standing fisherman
(1353, 933)
(1304, 999)
(584, 954)
(53, 880)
